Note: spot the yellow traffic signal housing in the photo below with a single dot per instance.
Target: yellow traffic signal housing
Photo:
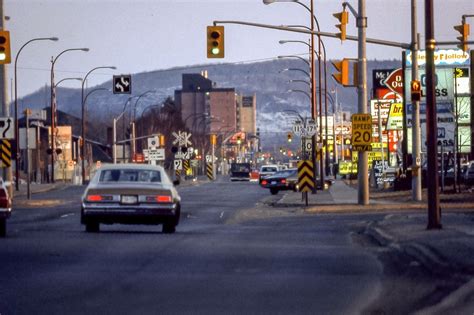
(5, 53)
(464, 29)
(343, 67)
(162, 141)
(343, 18)
(213, 139)
(215, 42)
(290, 137)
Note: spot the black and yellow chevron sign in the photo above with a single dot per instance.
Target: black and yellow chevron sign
(305, 176)
(178, 174)
(6, 153)
(209, 171)
(185, 165)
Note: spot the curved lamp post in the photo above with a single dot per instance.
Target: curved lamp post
(84, 119)
(53, 104)
(17, 130)
(83, 139)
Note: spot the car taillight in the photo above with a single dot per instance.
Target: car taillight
(283, 181)
(159, 198)
(97, 198)
(264, 182)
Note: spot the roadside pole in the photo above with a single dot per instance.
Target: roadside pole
(434, 214)
(4, 110)
(28, 160)
(416, 131)
(362, 166)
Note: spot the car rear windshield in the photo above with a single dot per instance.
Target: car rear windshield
(269, 169)
(130, 175)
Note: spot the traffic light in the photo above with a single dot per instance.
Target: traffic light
(213, 139)
(289, 136)
(162, 140)
(343, 18)
(343, 67)
(415, 87)
(239, 140)
(464, 30)
(5, 52)
(215, 42)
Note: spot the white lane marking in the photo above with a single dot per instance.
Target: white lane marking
(67, 215)
(222, 214)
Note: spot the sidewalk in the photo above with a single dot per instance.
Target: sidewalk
(343, 197)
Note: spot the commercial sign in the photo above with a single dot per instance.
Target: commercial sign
(395, 117)
(395, 81)
(443, 57)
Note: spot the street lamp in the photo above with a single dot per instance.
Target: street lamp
(53, 104)
(83, 125)
(294, 56)
(84, 122)
(295, 69)
(17, 130)
(66, 79)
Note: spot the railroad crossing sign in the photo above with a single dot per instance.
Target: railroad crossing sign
(122, 84)
(182, 138)
(361, 132)
(305, 176)
(7, 128)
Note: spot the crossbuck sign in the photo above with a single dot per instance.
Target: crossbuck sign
(182, 139)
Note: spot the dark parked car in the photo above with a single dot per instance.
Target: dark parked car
(130, 194)
(240, 171)
(5, 208)
(469, 175)
(281, 180)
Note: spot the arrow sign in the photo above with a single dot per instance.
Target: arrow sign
(6, 128)
(122, 84)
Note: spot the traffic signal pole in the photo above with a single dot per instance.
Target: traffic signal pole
(362, 163)
(416, 131)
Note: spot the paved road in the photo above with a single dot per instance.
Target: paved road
(231, 254)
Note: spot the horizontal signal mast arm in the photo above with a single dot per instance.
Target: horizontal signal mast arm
(324, 34)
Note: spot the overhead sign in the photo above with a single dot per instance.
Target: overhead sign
(122, 84)
(446, 57)
(7, 128)
(361, 132)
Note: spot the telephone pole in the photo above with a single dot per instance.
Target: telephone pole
(4, 110)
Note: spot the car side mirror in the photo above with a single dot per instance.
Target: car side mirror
(176, 182)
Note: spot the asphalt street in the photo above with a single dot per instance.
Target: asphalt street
(232, 253)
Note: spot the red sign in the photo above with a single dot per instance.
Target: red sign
(395, 81)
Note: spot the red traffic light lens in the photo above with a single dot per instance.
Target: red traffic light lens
(215, 35)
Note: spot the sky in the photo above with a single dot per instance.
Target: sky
(146, 35)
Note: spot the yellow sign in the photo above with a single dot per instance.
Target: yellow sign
(361, 132)
(372, 156)
(347, 167)
(395, 117)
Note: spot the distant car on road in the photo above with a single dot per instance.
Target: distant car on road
(266, 170)
(240, 171)
(131, 194)
(469, 174)
(281, 180)
(5, 208)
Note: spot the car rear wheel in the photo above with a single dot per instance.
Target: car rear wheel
(169, 227)
(273, 191)
(92, 227)
(3, 227)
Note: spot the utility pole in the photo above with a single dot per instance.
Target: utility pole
(416, 131)
(362, 166)
(434, 214)
(4, 110)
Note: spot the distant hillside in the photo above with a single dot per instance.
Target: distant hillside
(262, 78)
